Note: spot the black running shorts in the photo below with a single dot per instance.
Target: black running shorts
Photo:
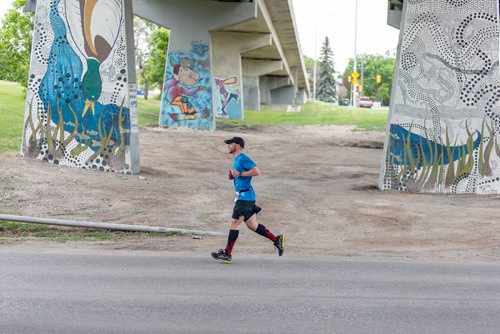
(246, 209)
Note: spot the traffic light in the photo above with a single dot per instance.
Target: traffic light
(360, 88)
(355, 78)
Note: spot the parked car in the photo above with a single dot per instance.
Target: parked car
(364, 102)
(344, 102)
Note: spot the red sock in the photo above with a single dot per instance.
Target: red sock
(231, 240)
(263, 231)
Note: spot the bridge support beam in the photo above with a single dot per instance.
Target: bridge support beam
(81, 107)
(444, 116)
(227, 70)
(280, 90)
(252, 70)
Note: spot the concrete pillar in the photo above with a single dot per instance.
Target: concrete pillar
(283, 95)
(287, 94)
(252, 70)
(227, 70)
(81, 107)
(268, 83)
(187, 99)
(444, 117)
(301, 96)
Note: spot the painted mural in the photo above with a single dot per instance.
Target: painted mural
(228, 102)
(445, 117)
(187, 95)
(77, 111)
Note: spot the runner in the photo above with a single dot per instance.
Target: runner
(243, 170)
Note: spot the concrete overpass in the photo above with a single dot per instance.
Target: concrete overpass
(253, 48)
(224, 56)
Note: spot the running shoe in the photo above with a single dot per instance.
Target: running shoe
(221, 256)
(280, 244)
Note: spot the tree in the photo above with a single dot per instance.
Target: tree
(374, 65)
(15, 43)
(142, 51)
(155, 70)
(326, 82)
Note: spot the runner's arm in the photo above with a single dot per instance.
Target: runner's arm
(252, 172)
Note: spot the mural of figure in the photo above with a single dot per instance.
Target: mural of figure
(227, 91)
(182, 86)
(187, 94)
(94, 26)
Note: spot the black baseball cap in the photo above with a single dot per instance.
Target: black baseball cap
(236, 140)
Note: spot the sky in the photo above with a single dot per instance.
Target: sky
(335, 19)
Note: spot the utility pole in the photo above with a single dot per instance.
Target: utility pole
(355, 51)
(362, 71)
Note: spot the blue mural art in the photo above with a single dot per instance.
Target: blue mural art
(77, 126)
(187, 95)
(423, 149)
(445, 111)
(228, 102)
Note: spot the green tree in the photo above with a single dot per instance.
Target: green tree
(142, 29)
(374, 65)
(326, 81)
(155, 70)
(15, 43)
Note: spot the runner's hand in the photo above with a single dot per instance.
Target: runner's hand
(234, 173)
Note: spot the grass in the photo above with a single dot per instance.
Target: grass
(149, 111)
(12, 102)
(318, 113)
(22, 231)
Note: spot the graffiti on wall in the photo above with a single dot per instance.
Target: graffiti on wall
(445, 115)
(77, 110)
(186, 99)
(228, 102)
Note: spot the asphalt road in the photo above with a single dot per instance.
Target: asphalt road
(74, 293)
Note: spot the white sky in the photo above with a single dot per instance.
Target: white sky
(335, 19)
(5, 5)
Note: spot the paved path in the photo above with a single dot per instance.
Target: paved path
(68, 293)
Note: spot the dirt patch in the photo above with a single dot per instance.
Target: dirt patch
(318, 186)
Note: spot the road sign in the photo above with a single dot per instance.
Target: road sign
(378, 78)
(355, 75)
(355, 81)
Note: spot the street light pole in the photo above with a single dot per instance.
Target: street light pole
(353, 88)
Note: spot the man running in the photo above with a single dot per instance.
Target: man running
(243, 170)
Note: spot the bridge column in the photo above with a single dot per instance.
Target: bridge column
(288, 94)
(444, 119)
(227, 70)
(81, 107)
(252, 70)
(187, 94)
(269, 83)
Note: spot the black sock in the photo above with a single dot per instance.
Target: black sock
(263, 231)
(231, 240)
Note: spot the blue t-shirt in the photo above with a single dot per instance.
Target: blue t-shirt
(243, 163)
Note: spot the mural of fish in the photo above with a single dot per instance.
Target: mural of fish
(422, 146)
